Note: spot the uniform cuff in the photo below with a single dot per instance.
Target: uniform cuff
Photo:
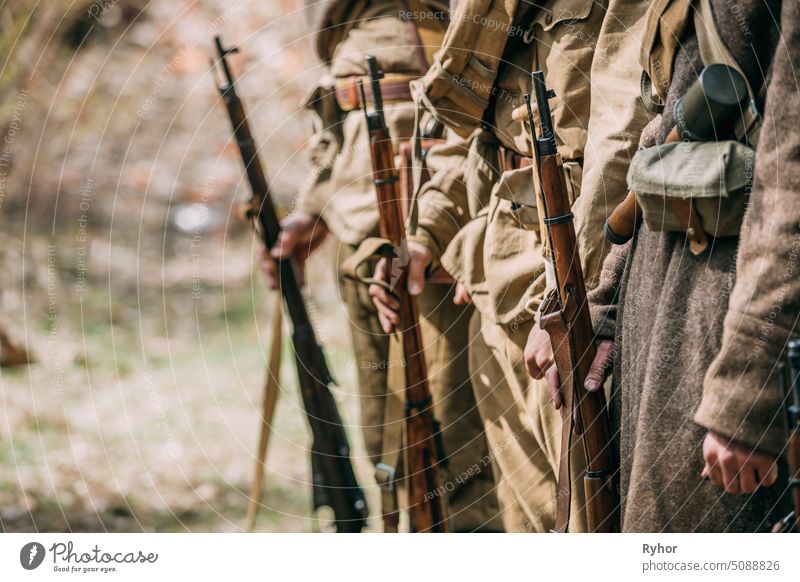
(742, 394)
(424, 237)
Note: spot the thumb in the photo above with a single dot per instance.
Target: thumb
(600, 367)
(416, 273)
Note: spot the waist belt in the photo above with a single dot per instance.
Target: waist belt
(394, 89)
(511, 160)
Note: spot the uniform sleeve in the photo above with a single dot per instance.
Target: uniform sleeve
(615, 124)
(323, 148)
(742, 396)
(604, 298)
(443, 200)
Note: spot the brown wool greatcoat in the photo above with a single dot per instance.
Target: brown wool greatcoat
(688, 327)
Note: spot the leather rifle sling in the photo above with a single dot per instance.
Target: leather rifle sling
(270, 399)
(554, 323)
(392, 442)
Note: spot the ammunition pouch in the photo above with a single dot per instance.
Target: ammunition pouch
(715, 177)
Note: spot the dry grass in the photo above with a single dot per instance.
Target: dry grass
(147, 420)
(142, 411)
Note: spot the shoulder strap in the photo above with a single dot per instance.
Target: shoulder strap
(665, 25)
(714, 50)
(428, 33)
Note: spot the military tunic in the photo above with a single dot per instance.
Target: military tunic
(484, 226)
(687, 326)
(341, 192)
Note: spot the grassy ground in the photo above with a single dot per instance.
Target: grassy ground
(142, 412)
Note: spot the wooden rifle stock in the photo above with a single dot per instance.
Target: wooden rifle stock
(566, 318)
(421, 450)
(334, 480)
(625, 218)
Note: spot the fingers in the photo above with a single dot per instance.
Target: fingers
(420, 259)
(531, 365)
(601, 366)
(388, 318)
(381, 296)
(748, 479)
(554, 386)
(416, 277)
(385, 303)
(730, 472)
(268, 268)
(735, 467)
(461, 296)
(711, 449)
(764, 469)
(298, 228)
(538, 353)
(285, 245)
(713, 473)
(768, 471)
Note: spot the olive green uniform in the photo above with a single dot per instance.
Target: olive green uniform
(341, 192)
(480, 219)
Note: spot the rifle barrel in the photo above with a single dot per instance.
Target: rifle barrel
(426, 505)
(334, 480)
(602, 497)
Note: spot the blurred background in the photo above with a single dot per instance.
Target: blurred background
(128, 277)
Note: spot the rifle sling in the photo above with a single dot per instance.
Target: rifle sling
(386, 471)
(553, 321)
(271, 391)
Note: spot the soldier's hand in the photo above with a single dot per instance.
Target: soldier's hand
(461, 296)
(540, 363)
(301, 234)
(736, 467)
(538, 353)
(420, 258)
(385, 302)
(601, 365)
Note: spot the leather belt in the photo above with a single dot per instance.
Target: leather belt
(394, 89)
(511, 160)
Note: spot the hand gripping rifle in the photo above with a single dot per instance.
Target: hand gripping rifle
(334, 481)
(791, 380)
(421, 450)
(565, 317)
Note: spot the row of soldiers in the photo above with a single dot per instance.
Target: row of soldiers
(689, 337)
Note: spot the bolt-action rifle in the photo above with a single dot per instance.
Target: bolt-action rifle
(334, 481)
(421, 450)
(565, 317)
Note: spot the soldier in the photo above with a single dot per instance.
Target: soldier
(700, 329)
(340, 199)
(478, 215)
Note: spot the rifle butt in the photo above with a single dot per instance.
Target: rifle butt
(426, 494)
(602, 510)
